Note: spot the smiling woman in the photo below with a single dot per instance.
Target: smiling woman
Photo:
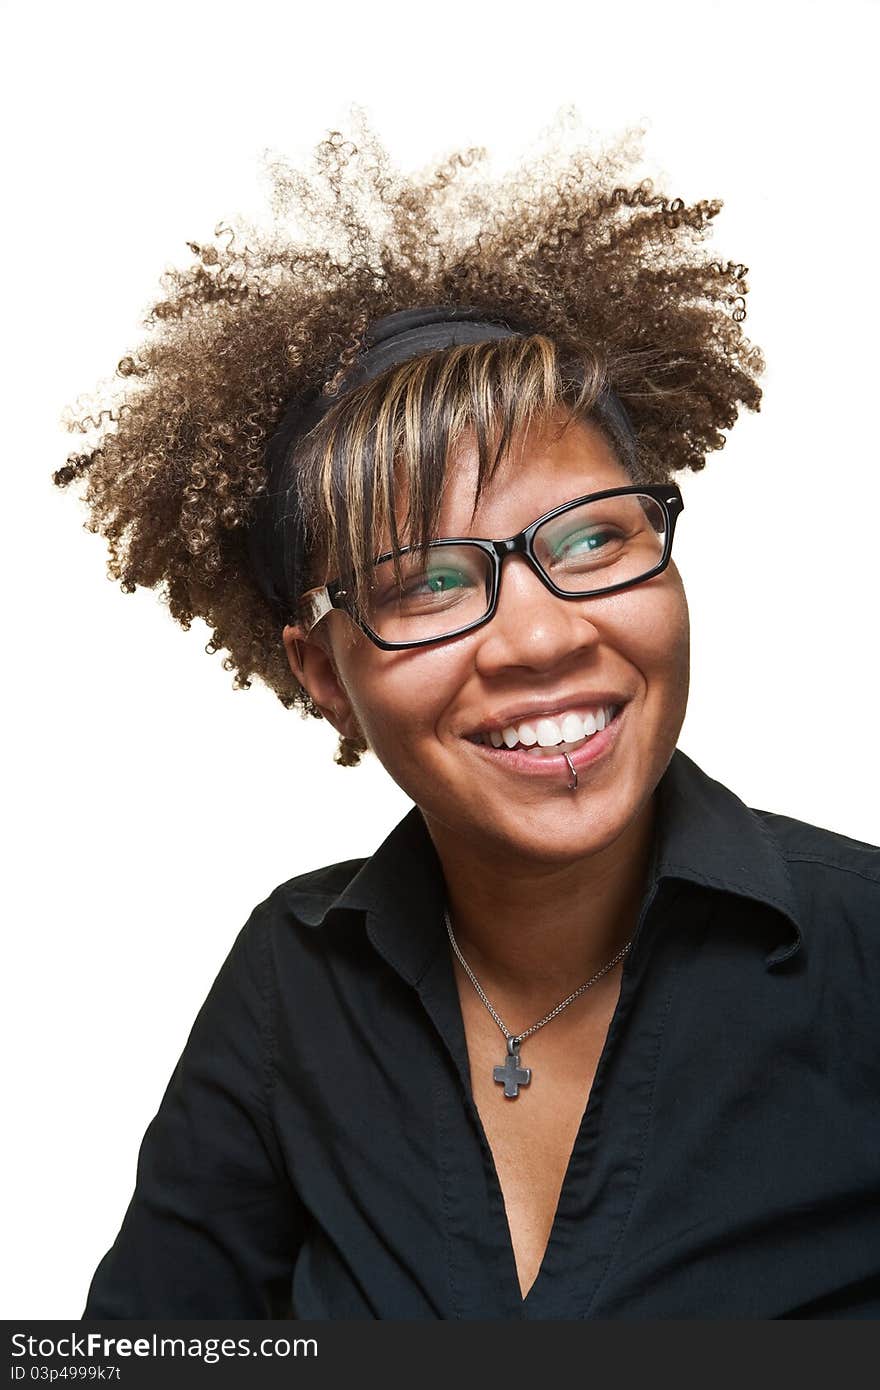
(577, 1039)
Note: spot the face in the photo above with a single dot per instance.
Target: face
(417, 707)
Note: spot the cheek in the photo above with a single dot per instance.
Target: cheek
(678, 619)
(402, 701)
(671, 629)
(666, 663)
(652, 636)
(651, 627)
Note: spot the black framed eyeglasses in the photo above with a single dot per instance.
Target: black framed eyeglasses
(596, 544)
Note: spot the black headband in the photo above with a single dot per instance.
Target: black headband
(275, 536)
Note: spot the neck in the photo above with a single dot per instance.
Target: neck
(534, 933)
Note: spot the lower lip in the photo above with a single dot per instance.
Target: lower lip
(554, 766)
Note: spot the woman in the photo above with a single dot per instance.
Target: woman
(585, 1036)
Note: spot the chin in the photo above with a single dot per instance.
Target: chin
(575, 834)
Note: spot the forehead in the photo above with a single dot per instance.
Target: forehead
(541, 470)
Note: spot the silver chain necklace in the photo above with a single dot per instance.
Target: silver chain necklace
(511, 1073)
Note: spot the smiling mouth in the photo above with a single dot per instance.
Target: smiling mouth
(585, 751)
(536, 750)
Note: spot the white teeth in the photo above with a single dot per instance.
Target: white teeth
(572, 727)
(548, 732)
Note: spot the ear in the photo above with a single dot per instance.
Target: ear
(311, 661)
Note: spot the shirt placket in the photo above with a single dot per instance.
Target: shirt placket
(605, 1163)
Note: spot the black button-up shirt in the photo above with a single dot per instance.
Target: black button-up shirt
(318, 1154)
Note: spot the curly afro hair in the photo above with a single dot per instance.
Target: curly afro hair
(610, 277)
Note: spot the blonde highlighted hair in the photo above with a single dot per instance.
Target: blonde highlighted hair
(393, 438)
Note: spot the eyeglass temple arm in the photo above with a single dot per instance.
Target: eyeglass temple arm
(314, 605)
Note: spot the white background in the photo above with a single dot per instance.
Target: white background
(149, 806)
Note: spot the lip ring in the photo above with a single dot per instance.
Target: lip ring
(554, 765)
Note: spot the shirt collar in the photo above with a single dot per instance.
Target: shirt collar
(705, 834)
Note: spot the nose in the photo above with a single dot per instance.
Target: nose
(532, 626)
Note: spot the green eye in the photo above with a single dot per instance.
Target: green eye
(594, 541)
(441, 581)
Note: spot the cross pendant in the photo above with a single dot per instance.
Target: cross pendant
(512, 1074)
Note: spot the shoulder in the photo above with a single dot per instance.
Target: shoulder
(327, 882)
(293, 941)
(800, 842)
(836, 878)
(304, 901)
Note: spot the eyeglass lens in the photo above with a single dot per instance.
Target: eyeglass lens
(583, 550)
